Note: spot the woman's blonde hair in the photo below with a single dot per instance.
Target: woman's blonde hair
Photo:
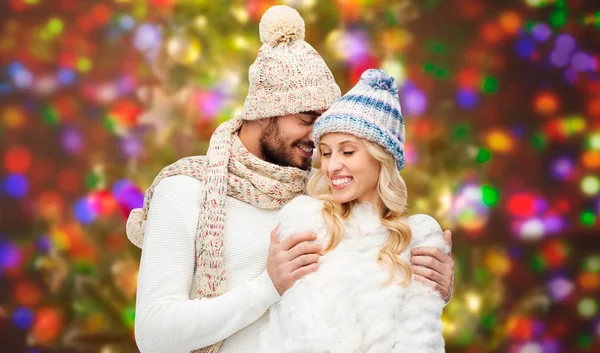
(393, 194)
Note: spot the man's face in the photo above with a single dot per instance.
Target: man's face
(287, 140)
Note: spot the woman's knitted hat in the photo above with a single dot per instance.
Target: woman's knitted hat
(288, 76)
(371, 110)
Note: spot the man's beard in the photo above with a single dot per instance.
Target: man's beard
(274, 149)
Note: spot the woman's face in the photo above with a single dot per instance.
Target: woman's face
(350, 168)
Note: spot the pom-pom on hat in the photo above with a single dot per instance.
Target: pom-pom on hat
(288, 76)
(281, 24)
(371, 110)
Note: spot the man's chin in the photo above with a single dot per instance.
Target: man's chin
(300, 162)
(291, 160)
(305, 164)
(302, 166)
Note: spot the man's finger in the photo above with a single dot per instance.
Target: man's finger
(275, 235)
(297, 238)
(304, 260)
(448, 237)
(430, 251)
(431, 275)
(431, 263)
(431, 284)
(303, 249)
(304, 270)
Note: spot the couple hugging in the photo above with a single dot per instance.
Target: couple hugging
(247, 249)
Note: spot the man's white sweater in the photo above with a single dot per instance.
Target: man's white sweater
(166, 319)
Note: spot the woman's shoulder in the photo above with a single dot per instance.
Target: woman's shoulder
(426, 231)
(423, 221)
(302, 205)
(301, 214)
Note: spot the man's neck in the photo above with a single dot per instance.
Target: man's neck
(249, 135)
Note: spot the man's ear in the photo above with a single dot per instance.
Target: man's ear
(263, 122)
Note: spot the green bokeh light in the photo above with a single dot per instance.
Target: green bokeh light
(489, 85)
(588, 218)
(490, 196)
(483, 155)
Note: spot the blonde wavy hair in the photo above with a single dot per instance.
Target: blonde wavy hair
(393, 194)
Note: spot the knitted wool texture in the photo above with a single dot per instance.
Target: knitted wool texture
(371, 110)
(288, 76)
(228, 169)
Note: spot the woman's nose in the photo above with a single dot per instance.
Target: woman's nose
(334, 164)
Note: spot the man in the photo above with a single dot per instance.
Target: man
(209, 272)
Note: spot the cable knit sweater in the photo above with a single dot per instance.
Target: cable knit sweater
(344, 306)
(166, 319)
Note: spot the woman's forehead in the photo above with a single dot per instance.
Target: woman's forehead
(338, 138)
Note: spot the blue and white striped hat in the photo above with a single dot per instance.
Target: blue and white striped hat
(371, 110)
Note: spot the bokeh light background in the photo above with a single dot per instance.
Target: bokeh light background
(502, 106)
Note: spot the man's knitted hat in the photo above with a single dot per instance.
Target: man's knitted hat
(288, 76)
(371, 110)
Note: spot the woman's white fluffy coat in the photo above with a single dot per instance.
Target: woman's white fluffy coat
(344, 306)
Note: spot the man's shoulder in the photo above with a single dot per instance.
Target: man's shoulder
(180, 186)
(182, 175)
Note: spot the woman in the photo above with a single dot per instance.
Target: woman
(363, 298)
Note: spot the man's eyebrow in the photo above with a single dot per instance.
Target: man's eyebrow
(312, 113)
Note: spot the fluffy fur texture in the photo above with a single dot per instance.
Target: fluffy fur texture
(344, 306)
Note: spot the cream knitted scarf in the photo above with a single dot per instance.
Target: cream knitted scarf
(228, 169)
